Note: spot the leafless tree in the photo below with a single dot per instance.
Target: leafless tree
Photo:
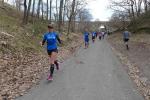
(133, 7)
(33, 8)
(38, 8)
(2, 1)
(18, 4)
(64, 10)
(42, 9)
(25, 12)
(84, 19)
(47, 10)
(71, 16)
(50, 18)
(138, 7)
(56, 15)
(145, 5)
(28, 10)
(60, 15)
(124, 6)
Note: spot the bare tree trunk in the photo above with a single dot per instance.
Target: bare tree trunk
(33, 8)
(2, 2)
(73, 23)
(148, 4)
(42, 10)
(60, 15)
(50, 18)
(17, 4)
(71, 15)
(130, 15)
(55, 16)
(47, 11)
(132, 9)
(38, 9)
(136, 6)
(56, 10)
(145, 5)
(28, 11)
(64, 11)
(69, 25)
(80, 21)
(20, 4)
(139, 7)
(25, 12)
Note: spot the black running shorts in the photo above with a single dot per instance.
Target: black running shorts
(126, 40)
(93, 37)
(53, 50)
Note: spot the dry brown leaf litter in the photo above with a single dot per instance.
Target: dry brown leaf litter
(18, 73)
(134, 72)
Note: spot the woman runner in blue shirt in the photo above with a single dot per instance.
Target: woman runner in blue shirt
(51, 38)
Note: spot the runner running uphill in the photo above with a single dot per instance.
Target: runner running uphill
(86, 38)
(51, 38)
(126, 36)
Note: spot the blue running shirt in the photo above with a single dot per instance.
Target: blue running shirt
(51, 39)
(86, 35)
(126, 35)
(93, 33)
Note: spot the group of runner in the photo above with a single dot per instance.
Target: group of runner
(51, 37)
(94, 35)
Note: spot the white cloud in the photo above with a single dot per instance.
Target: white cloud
(99, 9)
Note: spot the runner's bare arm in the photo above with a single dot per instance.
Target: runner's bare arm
(59, 40)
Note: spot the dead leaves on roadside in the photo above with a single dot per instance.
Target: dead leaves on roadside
(134, 73)
(21, 71)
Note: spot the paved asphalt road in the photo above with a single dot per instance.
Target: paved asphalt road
(93, 74)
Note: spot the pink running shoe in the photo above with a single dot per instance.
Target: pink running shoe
(50, 78)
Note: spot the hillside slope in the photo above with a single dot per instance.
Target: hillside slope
(137, 59)
(141, 24)
(22, 60)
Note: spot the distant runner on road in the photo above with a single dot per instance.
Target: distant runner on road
(126, 36)
(100, 35)
(103, 34)
(51, 38)
(86, 38)
(93, 36)
(96, 33)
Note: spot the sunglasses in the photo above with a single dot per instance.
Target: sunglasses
(50, 27)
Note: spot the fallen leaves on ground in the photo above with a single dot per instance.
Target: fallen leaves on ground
(132, 60)
(19, 72)
(134, 74)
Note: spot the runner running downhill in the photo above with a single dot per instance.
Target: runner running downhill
(86, 38)
(51, 38)
(126, 36)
